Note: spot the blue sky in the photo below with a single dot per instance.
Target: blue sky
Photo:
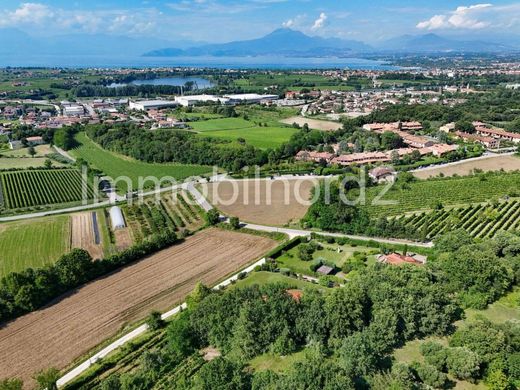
(225, 20)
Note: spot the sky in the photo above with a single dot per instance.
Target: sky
(227, 20)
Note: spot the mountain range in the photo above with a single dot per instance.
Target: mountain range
(281, 42)
(288, 42)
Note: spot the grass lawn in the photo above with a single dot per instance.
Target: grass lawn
(221, 124)
(329, 253)
(264, 277)
(33, 243)
(117, 166)
(8, 163)
(276, 363)
(422, 195)
(261, 137)
(41, 151)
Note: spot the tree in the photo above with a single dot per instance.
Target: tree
(465, 127)
(220, 373)
(11, 384)
(234, 222)
(31, 151)
(435, 354)
(212, 217)
(47, 379)
(430, 376)
(48, 163)
(452, 241)
(154, 321)
(111, 383)
(64, 138)
(181, 338)
(463, 363)
(198, 294)
(73, 268)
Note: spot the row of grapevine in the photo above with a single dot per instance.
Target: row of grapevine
(167, 214)
(480, 220)
(22, 189)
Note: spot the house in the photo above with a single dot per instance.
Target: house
(440, 150)
(488, 142)
(448, 127)
(304, 155)
(485, 130)
(360, 158)
(35, 141)
(325, 270)
(382, 174)
(400, 259)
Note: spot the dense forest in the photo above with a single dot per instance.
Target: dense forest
(347, 334)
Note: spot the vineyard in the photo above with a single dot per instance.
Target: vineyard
(22, 189)
(424, 195)
(480, 220)
(173, 212)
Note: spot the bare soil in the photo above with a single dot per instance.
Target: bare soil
(58, 334)
(267, 202)
(82, 235)
(507, 163)
(317, 124)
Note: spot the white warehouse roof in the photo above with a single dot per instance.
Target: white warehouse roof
(116, 218)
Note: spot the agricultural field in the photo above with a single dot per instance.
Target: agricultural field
(480, 220)
(86, 234)
(172, 212)
(506, 163)
(232, 129)
(23, 189)
(25, 162)
(101, 308)
(268, 202)
(317, 124)
(117, 166)
(424, 195)
(33, 244)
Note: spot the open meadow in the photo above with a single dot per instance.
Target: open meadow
(507, 163)
(231, 129)
(25, 162)
(116, 166)
(33, 243)
(268, 202)
(56, 335)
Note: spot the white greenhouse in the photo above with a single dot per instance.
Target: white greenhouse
(116, 218)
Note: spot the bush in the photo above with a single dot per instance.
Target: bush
(234, 222)
(435, 354)
(154, 321)
(463, 364)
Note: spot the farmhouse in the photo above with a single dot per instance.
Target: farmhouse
(382, 174)
(145, 105)
(399, 259)
(116, 218)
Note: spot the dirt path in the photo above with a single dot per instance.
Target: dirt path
(58, 334)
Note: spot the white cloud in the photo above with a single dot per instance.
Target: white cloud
(320, 22)
(288, 23)
(464, 17)
(26, 13)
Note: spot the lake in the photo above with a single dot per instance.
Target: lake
(174, 81)
(258, 62)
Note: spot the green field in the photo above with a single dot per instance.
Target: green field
(33, 243)
(117, 166)
(422, 195)
(261, 137)
(221, 124)
(264, 277)
(37, 162)
(41, 151)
